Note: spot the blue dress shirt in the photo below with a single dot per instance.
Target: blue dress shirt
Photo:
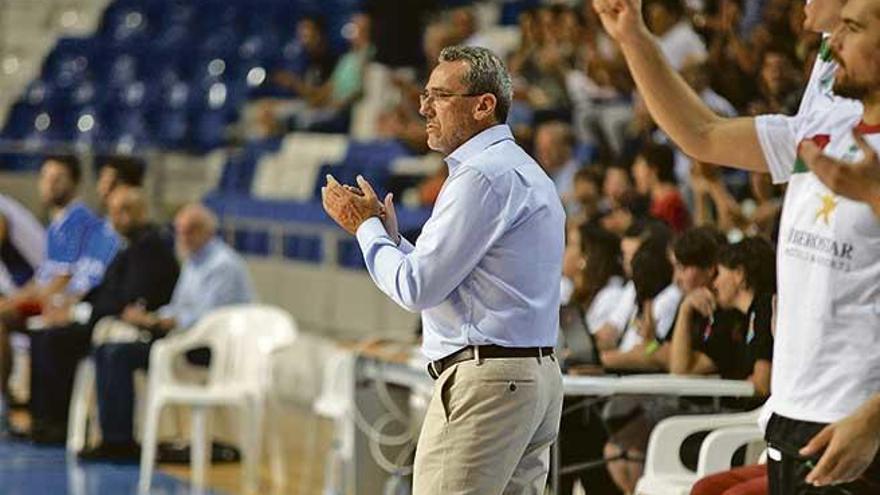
(486, 267)
(214, 276)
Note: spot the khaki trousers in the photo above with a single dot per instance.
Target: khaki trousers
(489, 428)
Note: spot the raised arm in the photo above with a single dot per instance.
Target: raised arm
(676, 108)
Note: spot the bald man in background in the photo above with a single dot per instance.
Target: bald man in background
(144, 272)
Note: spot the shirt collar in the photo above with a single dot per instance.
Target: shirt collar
(204, 252)
(479, 142)
(65, 212)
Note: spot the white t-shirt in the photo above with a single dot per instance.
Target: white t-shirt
(624, 309)
(605, 304)
(818, 95)
(665, 307)
(827, 349)
(682, 43)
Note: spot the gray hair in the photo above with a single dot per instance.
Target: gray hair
(486, 74)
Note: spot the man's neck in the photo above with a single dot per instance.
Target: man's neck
(479, 127)
(871, 103)
(57, 211)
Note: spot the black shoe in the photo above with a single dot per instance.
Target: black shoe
(16, 434)
(18, 404)
(179, 453)
(49, 433)
(112, 452)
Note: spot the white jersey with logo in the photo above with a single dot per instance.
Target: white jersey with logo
(819, 95)
(827, 349)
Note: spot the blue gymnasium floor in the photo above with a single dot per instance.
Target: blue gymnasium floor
(29, 470)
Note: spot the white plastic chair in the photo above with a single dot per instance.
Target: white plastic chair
(664, 472)
(80, 422)
(241, 339)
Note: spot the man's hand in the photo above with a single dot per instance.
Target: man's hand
(389, 219)
(57, 316)
(136, 315)
(622, 18)
(348, 208)
(858, 181)
(850, 446)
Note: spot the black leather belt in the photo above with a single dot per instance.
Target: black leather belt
(435, 368)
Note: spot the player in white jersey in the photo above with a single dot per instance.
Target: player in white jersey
(827, 355)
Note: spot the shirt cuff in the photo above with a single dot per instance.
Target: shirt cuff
(369, 231)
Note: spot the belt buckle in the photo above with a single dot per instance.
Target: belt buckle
(432, 370)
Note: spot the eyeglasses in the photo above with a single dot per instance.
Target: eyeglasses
(431, 96)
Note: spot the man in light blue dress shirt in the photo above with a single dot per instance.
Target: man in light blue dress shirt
(485, 276)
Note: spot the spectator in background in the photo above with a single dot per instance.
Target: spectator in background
(654, 174)
(675, 33)
(144, 272)
(115, 171)
(652, 313)
(212, 276)
(328, 103)
(586, 204)
(779, 85)
(76, 256)
(609, 335)
(727, 330)
(620, 206)
(554, 151)
(307, 61)
(22, 245)
(599, 283)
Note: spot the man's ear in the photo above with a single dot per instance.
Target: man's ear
(485, 107)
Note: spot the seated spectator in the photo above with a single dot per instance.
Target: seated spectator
(117, 171)
(779, 85)
(585, 206)
(554, 151)
(656, 300)
(22, 245)
(654, 174)
(621, 207)
(306, 61)
(728, 331)
(676, 36)
(329, 103)
(144, 272)
(597, 281)
(78, 250)
(212, 276)
(609, 334)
